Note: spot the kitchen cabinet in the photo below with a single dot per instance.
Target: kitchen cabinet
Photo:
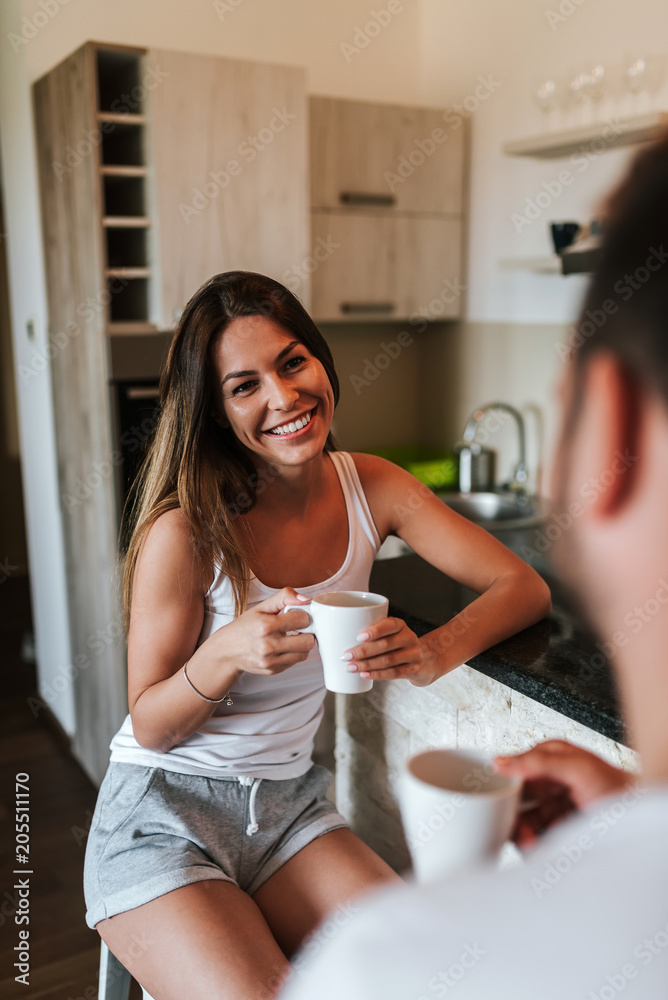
(386, 151)
(229, 156)
(388, 191)
(372, 271)
(157, 170)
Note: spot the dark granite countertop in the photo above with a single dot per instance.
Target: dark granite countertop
(555, 661)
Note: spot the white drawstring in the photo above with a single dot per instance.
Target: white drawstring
(245, 780)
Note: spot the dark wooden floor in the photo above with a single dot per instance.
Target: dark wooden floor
(64, 951)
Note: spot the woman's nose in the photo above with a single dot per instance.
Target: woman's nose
(281, 395)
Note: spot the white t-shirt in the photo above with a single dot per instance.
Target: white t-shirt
(584, 918)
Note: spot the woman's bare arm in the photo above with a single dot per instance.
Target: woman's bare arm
(165, 623)
(512, 595)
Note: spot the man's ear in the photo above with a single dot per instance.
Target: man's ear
(613, 402)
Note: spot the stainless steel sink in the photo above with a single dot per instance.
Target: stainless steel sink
(498, 511)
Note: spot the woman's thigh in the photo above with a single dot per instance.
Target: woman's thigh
(320, 880)
(205, 941)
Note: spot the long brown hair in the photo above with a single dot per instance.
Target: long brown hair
(192, 463)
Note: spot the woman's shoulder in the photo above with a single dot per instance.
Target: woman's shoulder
(375, 471)
(170, 546)
(384, 484)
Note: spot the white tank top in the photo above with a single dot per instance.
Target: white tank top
(268, 732)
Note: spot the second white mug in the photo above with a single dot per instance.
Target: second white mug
(456, 810)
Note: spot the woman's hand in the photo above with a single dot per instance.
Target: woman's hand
(257, 641)
(389, 650)
(559, 779)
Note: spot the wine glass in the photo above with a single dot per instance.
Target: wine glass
(593, 87)
(545, 96)
(577, 94)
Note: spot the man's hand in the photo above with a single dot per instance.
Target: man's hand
(559, 779)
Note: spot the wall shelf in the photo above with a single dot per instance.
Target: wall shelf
(548, 264)
(623, 132)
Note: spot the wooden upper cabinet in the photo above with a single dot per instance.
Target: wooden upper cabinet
(409, 158)
(228, 143)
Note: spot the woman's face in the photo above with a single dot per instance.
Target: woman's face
(271, 391)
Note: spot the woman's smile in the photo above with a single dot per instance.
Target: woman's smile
(291, 428)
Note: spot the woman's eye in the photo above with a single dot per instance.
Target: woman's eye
(296, 362)
(242, 387)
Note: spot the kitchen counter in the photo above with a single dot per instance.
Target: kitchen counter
(554, 662)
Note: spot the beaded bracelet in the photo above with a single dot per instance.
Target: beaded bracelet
(212, 701)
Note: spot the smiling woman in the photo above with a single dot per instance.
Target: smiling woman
(244, 508)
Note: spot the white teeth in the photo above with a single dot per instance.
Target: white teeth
(292, 426)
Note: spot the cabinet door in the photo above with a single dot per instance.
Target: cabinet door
(356, 280)
(228, 144)
(382, 266)
(403, 157)
(429, 267)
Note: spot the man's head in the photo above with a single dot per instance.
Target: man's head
(611, 470)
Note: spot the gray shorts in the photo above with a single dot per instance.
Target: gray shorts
(155, 830)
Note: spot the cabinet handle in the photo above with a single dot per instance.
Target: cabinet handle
(362, 198)
(368, 307)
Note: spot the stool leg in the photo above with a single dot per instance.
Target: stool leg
(114, 977)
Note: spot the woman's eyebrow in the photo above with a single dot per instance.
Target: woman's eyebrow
(279, 357)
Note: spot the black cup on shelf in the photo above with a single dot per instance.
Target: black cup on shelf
(563, 234)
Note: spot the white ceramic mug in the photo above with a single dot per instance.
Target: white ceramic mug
(337, 618)
(456, 810)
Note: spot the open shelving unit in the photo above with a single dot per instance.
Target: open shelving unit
(123, 181)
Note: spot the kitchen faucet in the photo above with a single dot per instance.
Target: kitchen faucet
(470, 447)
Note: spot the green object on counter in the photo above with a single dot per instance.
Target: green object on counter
(437, 469)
